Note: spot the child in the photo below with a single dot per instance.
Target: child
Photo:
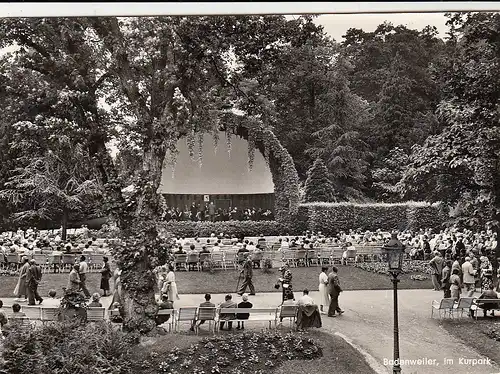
(244, 304)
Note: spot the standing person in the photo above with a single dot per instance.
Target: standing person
(286, 283)
(244, 304)
(437, 269)
(170, 287)
(117, 287)
(211, 211)
(445, 279)
(22, 287)
(455, 284)
(74, 279)
(334, 290)
(247, 272)
(105, 276)
(83, 270)
(324, 297)
(33, 278)
(469, 280)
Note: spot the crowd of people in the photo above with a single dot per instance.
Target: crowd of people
(209, 212)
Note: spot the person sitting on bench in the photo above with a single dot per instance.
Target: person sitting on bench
(489, 294)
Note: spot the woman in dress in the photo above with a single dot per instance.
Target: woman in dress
(169, 286)
(324, 297)
(105, 276)
(21, 286)
(456, 284)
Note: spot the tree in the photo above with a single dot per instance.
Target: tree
(461, 164)
(386, 178)
(318, 185)
(162, 78)
(339, 142)
(53, 185)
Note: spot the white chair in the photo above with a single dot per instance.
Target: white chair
(32, 312)
(96, 314)
(444, 306)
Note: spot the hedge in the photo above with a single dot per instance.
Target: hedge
(236, 228)
(331, 218)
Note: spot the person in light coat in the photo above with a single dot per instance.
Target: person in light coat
(469, 280)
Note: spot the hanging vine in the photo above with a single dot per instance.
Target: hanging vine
(190, 142)
(215, 135)
(200, 148)
(228, 141)
(251, 151)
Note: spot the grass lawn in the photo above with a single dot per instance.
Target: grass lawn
(351, 278)
(475, 334)
(337, 356)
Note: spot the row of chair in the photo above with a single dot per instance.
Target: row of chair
(62, 262)
(212, 315)
(50, 314)
(448, 307)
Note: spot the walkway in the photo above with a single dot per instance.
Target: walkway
(368, 323)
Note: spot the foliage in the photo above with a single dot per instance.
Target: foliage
(242, 353)
(392, 70)
(418, 268)
(73, 300)
(319, 187)
(331, 218)
(69, 347)
(461, 164)
(236, 228)
(385, 179)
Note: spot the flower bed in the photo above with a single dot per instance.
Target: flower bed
(240, 354)
(409, 267)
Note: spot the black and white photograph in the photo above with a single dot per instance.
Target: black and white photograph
(249, 189)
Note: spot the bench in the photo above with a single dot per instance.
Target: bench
(495, 303)
(168, 312)
(256, 314)
(445, 305)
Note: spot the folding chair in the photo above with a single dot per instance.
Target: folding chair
(300, 257)
(193, 259)
(445, 306)
(96, 314)
(180, 261)
(206, 314)
(289, 257)
(464, 303)
(218, 260)
(290, 312)
(186, 315)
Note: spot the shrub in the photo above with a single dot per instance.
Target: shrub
(331, 218)
(237, 228)
(70, 348)
(318, 186)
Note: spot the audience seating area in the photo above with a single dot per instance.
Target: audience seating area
(49, 262)
(449, 307)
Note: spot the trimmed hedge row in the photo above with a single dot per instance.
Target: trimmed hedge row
(237, 228)
(331, 218)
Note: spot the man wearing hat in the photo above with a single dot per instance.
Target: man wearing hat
(247, 274)
(33, 278)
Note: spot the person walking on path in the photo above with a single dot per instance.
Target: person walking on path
(105, 276)
(33, 278)
(22, 287)
(437, 268)
(74, 279)
(445, 279)
(324, 297)
(83, 270)
(469, 277)
(334, 290)
(170, 286)
(247, 272)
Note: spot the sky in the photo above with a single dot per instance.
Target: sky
(336, 25)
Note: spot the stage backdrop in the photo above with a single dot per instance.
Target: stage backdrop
(223, 177)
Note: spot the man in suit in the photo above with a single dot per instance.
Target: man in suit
(83, 270)
(247, 272)
(437, 269)
(334, 290)
(206, 304)
(33, 278)
(211, 211)
(488, 294)
(468, 277)
(228, 303)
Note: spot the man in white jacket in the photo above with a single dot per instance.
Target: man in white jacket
(468, 274)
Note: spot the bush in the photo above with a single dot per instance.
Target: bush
(69, 348)
(331, 218)
(318, 186)
(237, 228)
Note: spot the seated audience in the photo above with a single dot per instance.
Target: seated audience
(206, 304)
(227, 317)
(488, 294)
(52, 302)
(244, 304)
(165, 304)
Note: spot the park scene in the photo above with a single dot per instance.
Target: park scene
(250, 194)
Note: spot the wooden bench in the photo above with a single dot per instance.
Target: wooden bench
(255, 314)
(478, 302)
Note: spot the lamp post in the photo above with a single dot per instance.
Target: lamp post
(394, 251)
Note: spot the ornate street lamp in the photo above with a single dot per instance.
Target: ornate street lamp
(394, 251)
